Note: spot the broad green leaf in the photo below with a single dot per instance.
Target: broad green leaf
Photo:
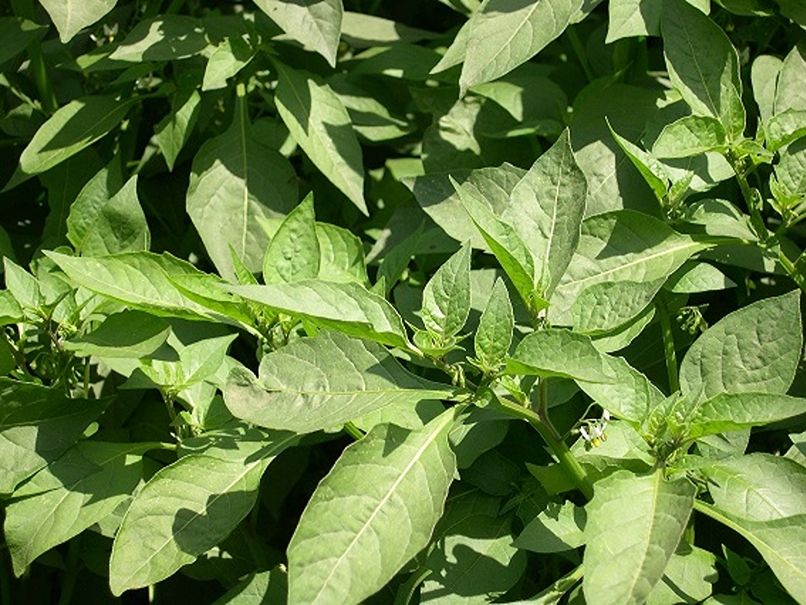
(607, 306)
(71, 16)
(322, 382)
(259, 588)
(163, 38)
(746, 351)
(788, 184)
(455, 53)
(403, 61)
(23, 286)
(230, 56)
(736, 411)
(559, 528)
(789, 93)
(73, 492)
(446, 297)
(473, 562)
(72, 128)
(37, 425)
(141, 280)
(785, 127)
(321, 125)
(341, 255)
(87, 207)
(370, 113)
(689, 577)
(764, 78)
(206, 290)
(118, 225)
(506, 33)
(634, 526)
(556, 352)
(173, 131)
(546, 208)
(344, 307)
(186, 509)
(506, 244)
(782, 543)
(758, 487)
(373, 512)
(124, 334)
(363, 31)
(703, 65)
(293, 253)
(494, 334)
(627, 18)
(653, 171)
(17, 33)
(695, 277)
(622, 246)
(689, 136)
(235, 182)
(315, 24)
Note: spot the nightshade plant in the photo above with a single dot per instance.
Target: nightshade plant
(429, 302)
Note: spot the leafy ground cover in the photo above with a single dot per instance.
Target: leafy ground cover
(442, 301)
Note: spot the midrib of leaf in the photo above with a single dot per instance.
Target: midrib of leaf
(553, 220)
(390, 492)
(695, 61)
(750, 487)
(215, 498)
(515, 32)
(643, 259)
(647, 537)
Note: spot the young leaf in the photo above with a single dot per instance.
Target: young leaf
(231, 55)
(73, 127)
(37, 425)
(689, 136)
(71, 16)
(737, 411)
(89, 204)
(546, 208)
(494, 334)
(347, 308)
(341, 255)
(622, 246)
(186, 509)
(653, 171)
(634, 526)
(321, 125)
(555, 352)
(315, 24)
(703, 65)
(504, 34)
(392, 483)
(293, 253)
(761, 357)
(237, 180)
(446, 297)
(78, 489)
(23, 286)
(758, 487)
(322, 382)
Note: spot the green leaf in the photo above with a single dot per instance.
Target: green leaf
(348, 308)
(689, 577)
(737, 411)
(555, 352)
(71, 16)
(88, 205)
(785, 127)
(758, 487)
(622, 246)
(321, 125)
(163, 38)
(494, 334)
(341, 255)
(506, 33)
(695, 277)
(186, 509)
(559, 528)
(390, 484)
(118, 225)
(746, 351)
(17, 33)
(173, 131)
(322, 382)
(315, 24)
(293, 253)
(231, 55)
(23, 286)
(259, 588)
(474, 562)
(126, 334)
(73, 127)
(78, 489)
(628, 18)
(634, 526)
(764, 77)
(788, 184)
(703, 65)
(689, 136)
(363, 31)
(235, 182)
(653, 171)
(37, 425)
(607, 306)
(789, 93)
(446, 297)
(781, 542)
(546, 208)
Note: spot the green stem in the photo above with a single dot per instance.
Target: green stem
(752, 198)
(791, 269)
(668, 344)
(558, 447)
(353, 431)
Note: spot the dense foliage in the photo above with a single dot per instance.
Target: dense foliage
(437, 301)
